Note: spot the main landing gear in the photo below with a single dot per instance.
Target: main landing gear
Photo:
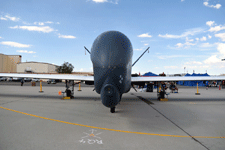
(112, 110)
(70, 92)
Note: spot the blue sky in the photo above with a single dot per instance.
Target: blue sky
(181, 34)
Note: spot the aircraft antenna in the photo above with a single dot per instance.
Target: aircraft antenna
(87, 50)
(140, 56)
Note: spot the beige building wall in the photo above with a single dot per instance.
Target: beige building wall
(1, 62)
(35, 67)
(8, 63)
(51, 68)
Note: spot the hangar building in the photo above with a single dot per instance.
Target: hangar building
(36, 67)
(8, 63)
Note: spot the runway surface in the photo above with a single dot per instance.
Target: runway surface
(33, 120)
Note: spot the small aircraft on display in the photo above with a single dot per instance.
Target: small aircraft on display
(111, 55)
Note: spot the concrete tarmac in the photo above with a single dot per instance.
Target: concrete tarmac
(33, 120)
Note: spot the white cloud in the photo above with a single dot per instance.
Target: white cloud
(206, 45)
(186, 44)
(210, 23)
(189, 40)
(25, 51)
(39, 23)
(138, 49)
(217, 6)
(43, 23)
(103, 1)
(11, 18)
(145, 35)
(66, 36)
(221, 35)
(182, 0)
(197, 39)
(146, 44)
(15, 27)
(45, 29)
(14, 44)
(196, 66)
(185, 34)
(26, 23)
(193, 63)
(221, 49)
(170, 36)
(212, 59)
(209, 36)
(0, 37)
(217, 28)
(215, 60)
(171, 56)
(170, 67)
(99, 1)
(50, 22)
(2, 18)
(179, 45)
(212, 62)
(203, 38)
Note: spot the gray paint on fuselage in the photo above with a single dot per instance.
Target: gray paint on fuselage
(111, 55)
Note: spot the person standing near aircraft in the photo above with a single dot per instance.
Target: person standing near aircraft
(21, 82)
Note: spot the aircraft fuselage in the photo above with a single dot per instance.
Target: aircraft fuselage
(111, 55)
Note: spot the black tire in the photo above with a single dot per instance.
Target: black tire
(112, 110)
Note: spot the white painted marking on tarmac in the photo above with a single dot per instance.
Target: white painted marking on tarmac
(91, 138)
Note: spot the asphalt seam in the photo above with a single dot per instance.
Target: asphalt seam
(180, 128)
(143, 99)
(9, 102)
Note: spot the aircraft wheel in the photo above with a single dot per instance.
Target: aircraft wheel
(112, 110)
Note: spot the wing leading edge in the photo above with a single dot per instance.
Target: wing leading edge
(48, 76)
(152, 79)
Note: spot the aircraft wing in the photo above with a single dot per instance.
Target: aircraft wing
(49, 76)
(188, 78)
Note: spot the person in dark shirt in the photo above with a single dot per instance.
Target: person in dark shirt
(173, 87)
(22, 82)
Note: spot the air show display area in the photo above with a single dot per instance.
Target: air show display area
(33, 120)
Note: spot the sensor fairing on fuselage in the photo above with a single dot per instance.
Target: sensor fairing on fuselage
(111, 55)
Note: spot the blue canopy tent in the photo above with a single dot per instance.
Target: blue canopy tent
(194, 83)
(150, 74)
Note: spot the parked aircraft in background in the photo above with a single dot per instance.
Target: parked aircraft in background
(111, 55)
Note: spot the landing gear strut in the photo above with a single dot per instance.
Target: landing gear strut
(112, 110)
(70, 93)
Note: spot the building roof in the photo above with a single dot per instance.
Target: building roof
(37, 62)
(10, 55)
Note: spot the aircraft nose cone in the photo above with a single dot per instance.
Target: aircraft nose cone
(110, 95)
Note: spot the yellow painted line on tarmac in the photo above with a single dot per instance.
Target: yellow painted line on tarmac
(87, 126)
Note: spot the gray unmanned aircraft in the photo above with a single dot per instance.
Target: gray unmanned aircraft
(111, 55)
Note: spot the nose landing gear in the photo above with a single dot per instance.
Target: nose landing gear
(112, 110)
